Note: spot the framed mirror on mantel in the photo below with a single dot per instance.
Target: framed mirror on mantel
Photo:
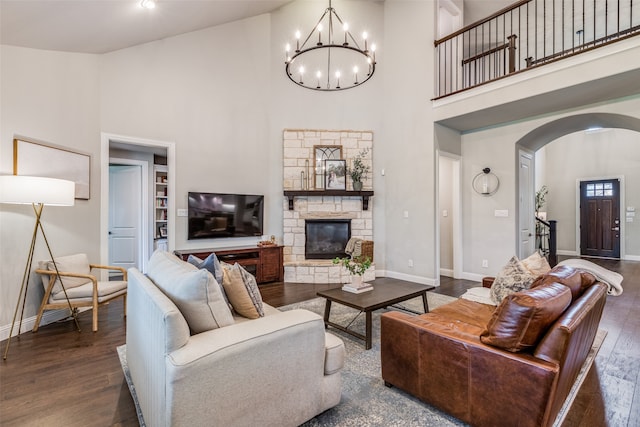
(322, 153)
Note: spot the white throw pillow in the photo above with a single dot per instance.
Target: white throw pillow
(195, 292)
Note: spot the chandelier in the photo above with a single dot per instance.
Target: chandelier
(322, 62)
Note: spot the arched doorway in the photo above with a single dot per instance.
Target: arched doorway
(557, 129)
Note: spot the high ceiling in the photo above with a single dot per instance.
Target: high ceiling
(99, 26)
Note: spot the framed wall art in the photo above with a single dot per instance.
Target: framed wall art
(38, 159)
(322, 153)
(335, 172)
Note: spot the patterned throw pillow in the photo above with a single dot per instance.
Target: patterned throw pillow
(514, 277)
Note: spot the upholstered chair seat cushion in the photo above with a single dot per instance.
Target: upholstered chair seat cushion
(106, 290)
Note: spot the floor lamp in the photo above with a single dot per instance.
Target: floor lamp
(37, 192)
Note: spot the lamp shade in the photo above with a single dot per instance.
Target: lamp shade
(18, 189)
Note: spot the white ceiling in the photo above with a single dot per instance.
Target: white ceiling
(99, 26)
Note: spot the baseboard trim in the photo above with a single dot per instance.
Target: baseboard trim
(49, 316)
(473, 276)
(446, 272)
(632, 257)
(567, 253)
(411, 278)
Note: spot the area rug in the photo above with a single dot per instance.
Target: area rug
(365, 399)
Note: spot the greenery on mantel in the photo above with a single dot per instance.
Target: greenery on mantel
(359, 169)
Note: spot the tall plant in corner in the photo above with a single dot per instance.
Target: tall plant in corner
(541, 195)
(359, 169)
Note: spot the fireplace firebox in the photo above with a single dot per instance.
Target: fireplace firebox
(326, 238)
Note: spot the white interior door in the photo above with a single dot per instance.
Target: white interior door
(526, 209)
(125, 215)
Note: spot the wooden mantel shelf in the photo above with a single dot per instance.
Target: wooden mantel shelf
(365, 194)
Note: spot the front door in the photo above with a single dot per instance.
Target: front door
(125, 207)
(600, 218)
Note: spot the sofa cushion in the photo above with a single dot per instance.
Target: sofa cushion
(574, 279)
(522, 318)
(513, 277)
(239, 296)
(195, 292)
(536, 264)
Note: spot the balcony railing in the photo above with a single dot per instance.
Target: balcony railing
(528, 34)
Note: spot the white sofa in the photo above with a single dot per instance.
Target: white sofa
(278, 370)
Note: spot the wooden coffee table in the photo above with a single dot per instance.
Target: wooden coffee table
(383, 295)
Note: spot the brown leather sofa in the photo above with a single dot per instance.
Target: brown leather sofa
(497, 366)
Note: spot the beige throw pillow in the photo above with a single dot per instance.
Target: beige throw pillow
(536, 264)
(78, 263)
(514, 277)
(237, 292)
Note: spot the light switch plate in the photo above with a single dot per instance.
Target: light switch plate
(501, 212)
(182, 212)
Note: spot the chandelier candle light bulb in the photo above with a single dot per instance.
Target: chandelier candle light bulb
(319, 34)
(297, 41)
(345, 27)
(338, 79)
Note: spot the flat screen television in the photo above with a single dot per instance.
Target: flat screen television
(218, 215)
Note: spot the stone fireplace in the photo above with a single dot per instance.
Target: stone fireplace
(299, 148)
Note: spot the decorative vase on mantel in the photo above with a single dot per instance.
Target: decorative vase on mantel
(357, 185)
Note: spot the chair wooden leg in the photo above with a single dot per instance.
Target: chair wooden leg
(39, 318)
(124, 303)
(43, 304)
(95, 317)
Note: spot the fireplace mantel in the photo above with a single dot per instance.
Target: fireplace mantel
(365, 194)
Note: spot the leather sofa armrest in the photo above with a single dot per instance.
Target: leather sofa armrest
(442, 363)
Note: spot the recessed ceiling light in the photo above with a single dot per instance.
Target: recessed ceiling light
(148, 4)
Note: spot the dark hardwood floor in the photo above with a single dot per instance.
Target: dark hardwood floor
(59, 376)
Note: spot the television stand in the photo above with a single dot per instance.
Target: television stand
(264, 262)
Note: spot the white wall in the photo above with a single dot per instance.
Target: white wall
(408, 140)
(51, 97)
(207, 92)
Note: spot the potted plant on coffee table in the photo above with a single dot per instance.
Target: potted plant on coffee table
(356, 267)
(359, 170)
